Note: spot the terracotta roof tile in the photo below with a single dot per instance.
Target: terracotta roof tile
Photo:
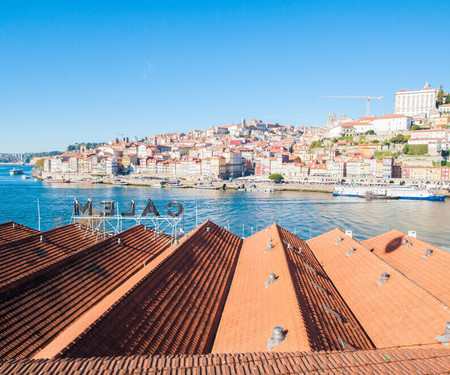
(37, 313)
(175, 308)
(11, 231)
(430, 272)
(365, 362)
(397, 313)
(302, 300)
(33, 256)
(252, 310)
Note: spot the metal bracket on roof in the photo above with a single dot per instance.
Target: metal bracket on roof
(404, 241)
(345, 345)
(427, 254)
(351, 251)
(269, 246)
(278, 335)
(310, 268)
(384, 277)
(332, 312)
(445, 338)
(272, 279)
(339, 240)
(320, 288)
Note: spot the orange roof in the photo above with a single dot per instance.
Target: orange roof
(431, 272)
(398, 312)
(302, 300)
(252, 311)
(361, 362)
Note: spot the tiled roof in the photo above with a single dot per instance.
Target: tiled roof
(395, 313)
(25, 259)
(252, 310)
(327, 317)
(36, 314)
(297, 300)
(365, 362)
(430, 272)
(11, 231)
(175, 308)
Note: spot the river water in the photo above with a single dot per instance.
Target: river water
(304, 213)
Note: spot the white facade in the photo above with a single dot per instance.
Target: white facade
(418, 103)
(390, 123)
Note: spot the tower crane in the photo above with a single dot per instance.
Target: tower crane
(356, 97)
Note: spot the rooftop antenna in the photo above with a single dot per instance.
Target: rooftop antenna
(39, 215)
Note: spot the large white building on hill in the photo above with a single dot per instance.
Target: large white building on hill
(416, 103)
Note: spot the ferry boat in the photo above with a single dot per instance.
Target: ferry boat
(15, 171)
(400, 192)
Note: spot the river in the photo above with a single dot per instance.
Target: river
(304, 213)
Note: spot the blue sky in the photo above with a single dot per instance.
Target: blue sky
(74, 71)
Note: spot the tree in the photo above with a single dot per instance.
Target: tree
(39, 164)
(276, 177)
(370, 132)
(399, 138)
(315, 144)
(375, 141)
(415, 127)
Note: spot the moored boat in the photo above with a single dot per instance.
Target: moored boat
(57, 181)
(15, 171)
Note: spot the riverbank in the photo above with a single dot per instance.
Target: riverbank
(234, 185)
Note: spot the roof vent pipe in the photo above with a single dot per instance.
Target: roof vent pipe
(278, 335)
(269, 246)
(207, 229)
(384, 277)
(404, 241)
(14, 225)
(349, 233)
(351, 251)
(119, 242)
(272, 279)
(427, 254)
(41, 238)
(339, 240)
(445, 338)
(412, 233)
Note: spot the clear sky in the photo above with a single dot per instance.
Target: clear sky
(74, 71)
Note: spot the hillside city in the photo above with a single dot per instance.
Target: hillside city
(412, 144)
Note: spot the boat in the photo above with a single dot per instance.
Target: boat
(208, 187)
(25, 177)
(57, 181)
(253, 188)
(400, 192)
(175, 185)
(118, 182)
(15, 171)
(88, 182)
(160, 184)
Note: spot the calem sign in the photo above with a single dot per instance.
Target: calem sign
(108, 209)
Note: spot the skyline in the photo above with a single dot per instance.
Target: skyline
(86, 72)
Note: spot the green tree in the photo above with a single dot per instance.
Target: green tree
(370, 132)
(440, 96)
(415, 127)
(375, 141)
(276, 177)
(39, 164)
(315, 144)
(399, 138)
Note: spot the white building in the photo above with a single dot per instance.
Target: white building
(444, 109)
(417, 103)
(434, 138)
